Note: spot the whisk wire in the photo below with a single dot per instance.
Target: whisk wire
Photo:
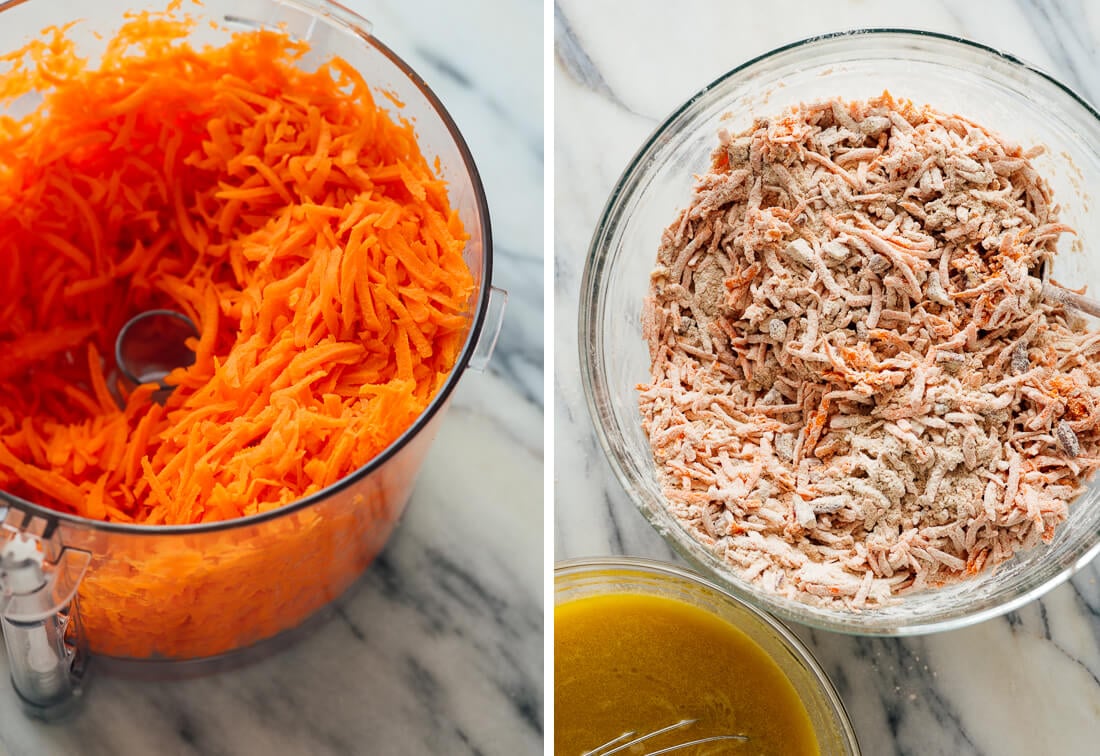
(600, 752)
(597, 750)
(700, 741)
(618, 746)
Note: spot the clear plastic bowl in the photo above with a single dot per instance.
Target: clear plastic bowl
(990, 87)
(580, 578)
(195, 592)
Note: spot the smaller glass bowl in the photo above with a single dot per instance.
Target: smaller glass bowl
(950, 74)
(580, 578)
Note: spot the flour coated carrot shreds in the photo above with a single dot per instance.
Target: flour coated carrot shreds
(860, 385)
(293, 220)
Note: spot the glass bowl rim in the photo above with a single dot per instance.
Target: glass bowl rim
(595, 262)
(790, 641)
(338, 16)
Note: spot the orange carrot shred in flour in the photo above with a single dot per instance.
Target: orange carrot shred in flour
(282, 210)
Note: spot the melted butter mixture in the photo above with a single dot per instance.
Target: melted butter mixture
(632, 662)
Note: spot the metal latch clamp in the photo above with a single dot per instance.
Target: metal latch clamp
(39, 577)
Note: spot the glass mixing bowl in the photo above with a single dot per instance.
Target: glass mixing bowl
(580, 578)
(201, 591)
(990, 87)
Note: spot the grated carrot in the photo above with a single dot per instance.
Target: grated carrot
(281, 209)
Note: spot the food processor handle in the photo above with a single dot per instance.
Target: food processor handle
(490, 329)
(38, 614)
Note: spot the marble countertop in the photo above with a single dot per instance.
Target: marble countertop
(1027, 683)
(439, 648)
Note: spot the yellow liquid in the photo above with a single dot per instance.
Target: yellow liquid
(632, 662)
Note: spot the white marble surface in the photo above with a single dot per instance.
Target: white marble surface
(1027, 683)
(439, 650)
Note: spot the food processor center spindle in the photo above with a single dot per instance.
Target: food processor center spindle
(151, 345)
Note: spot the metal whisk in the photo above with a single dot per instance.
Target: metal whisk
(630, 739)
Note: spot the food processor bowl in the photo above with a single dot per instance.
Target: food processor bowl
(205, 591)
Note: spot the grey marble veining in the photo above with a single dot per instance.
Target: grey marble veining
(1027, 683)
(439, 648)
